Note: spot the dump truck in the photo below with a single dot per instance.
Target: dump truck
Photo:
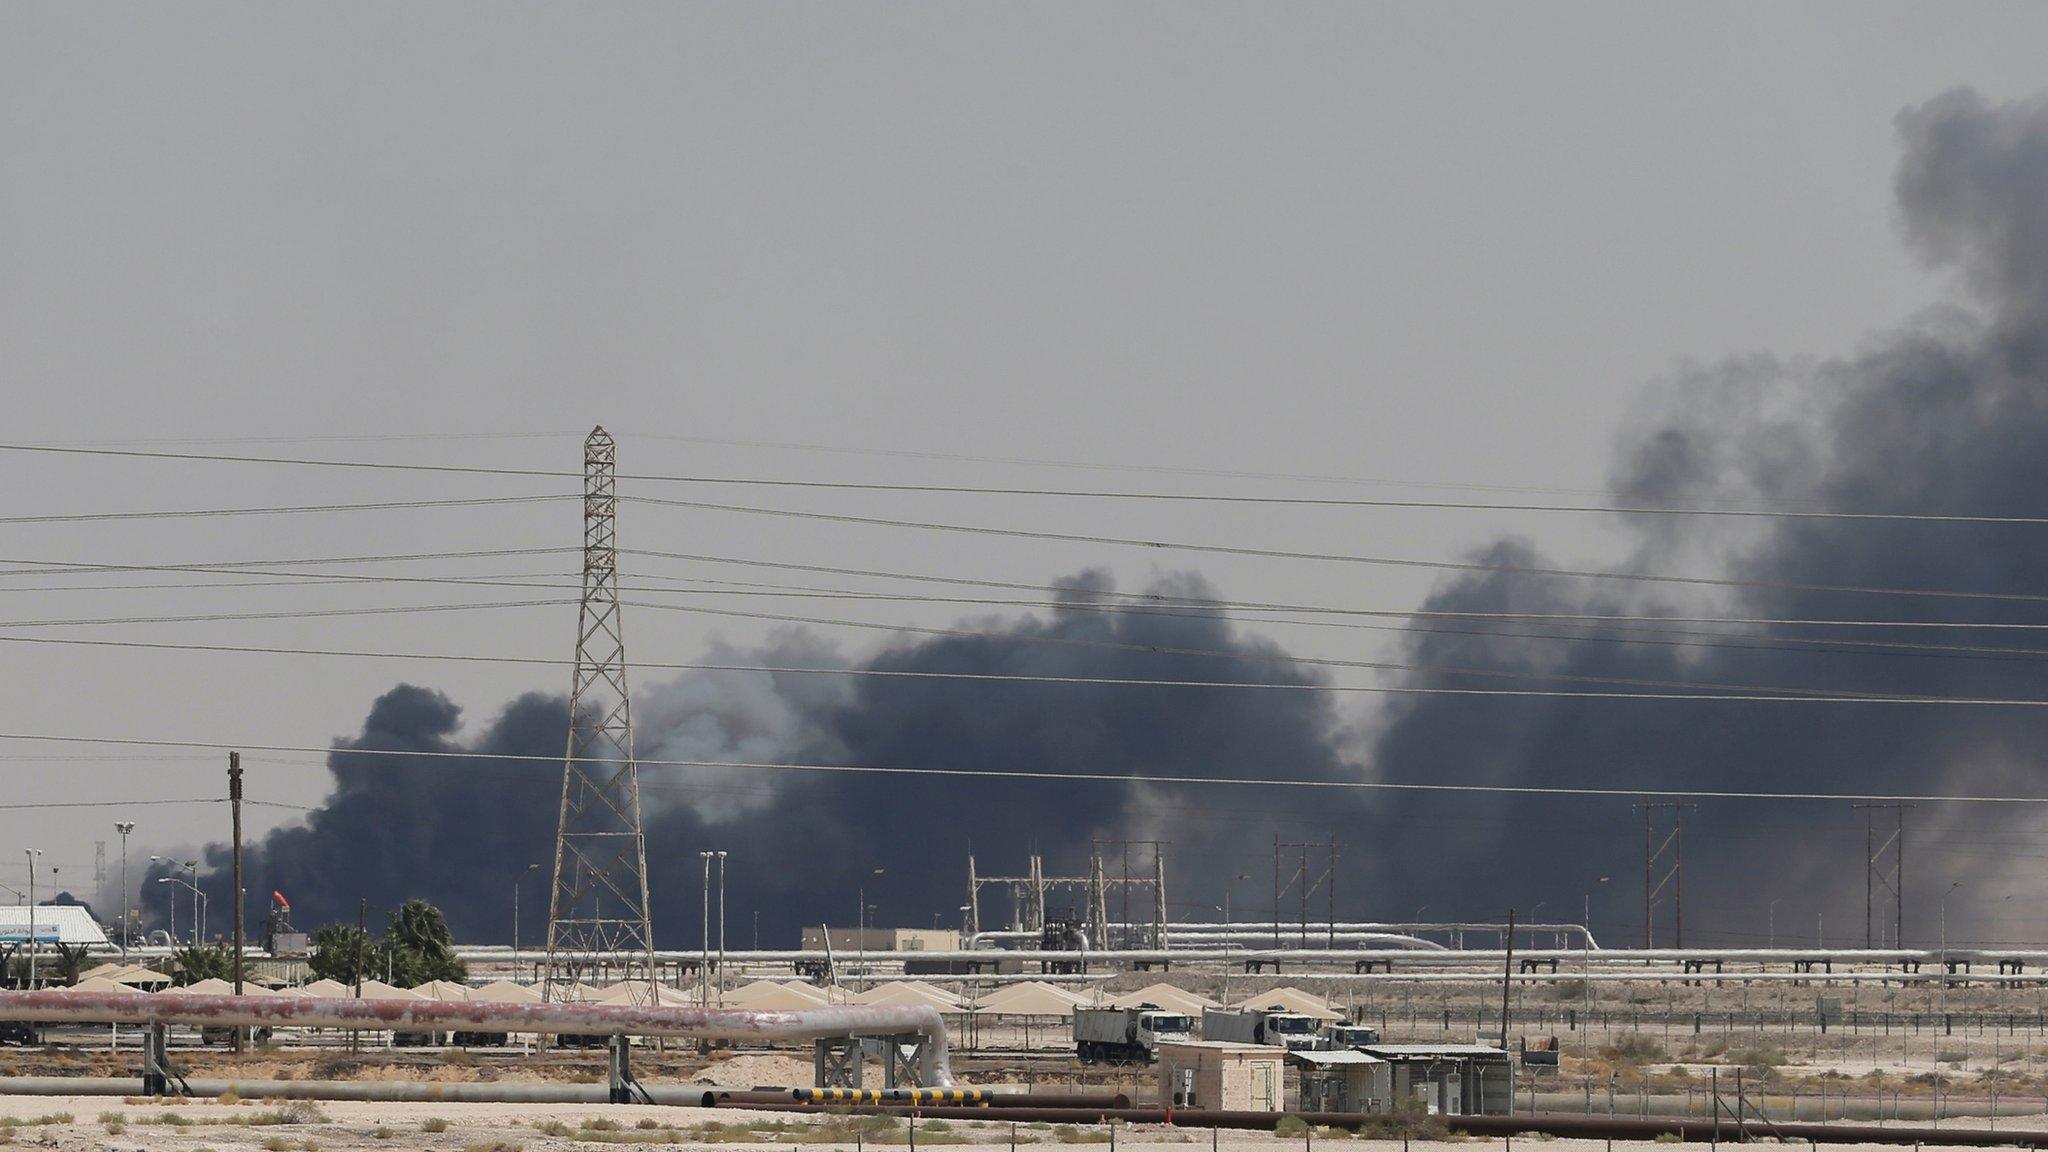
(1126, 1035)
(1338, 1037)
(1294, 1031)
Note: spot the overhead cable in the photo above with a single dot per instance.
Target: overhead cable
(1071, 777)
(1023, 678)
(865, 486)
(1328, 557)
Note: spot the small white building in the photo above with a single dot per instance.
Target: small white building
(1343, 1080)
(1214, 1075)
(66, 924)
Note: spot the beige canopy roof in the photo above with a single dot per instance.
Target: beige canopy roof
(1030, 998)
(505, 992)
(102, 984)
(1293, 1000)
(442, 990)
(329, 988)
(139, 977)
(771, 996)
(214, 986)
(1167, 996)
(632, 992)
(908, 992)
(379, 990)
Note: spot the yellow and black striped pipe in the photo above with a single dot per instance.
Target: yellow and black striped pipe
(954, 1096)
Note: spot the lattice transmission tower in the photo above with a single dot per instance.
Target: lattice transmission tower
(597, 917)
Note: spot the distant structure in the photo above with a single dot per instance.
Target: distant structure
(597, 917)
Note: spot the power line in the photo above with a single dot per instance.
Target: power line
(1257, 656)
(999, 677)
(32, 567)
(1063, 776)
(1327, 557)
(1712, 640)
(276, 510)
(864, 486)
(1400, 613)
(295, 614)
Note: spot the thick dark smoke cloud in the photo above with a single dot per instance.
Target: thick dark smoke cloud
(1947, 413)
(458, 830)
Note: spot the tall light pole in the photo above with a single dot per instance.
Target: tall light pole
(721, 928)
(198, 900)
(32, 853)
(198, 904)
(1942, 1008)
(172, 896)
(861, 927)
(1586, 949)
(515, 916)
(704, 940)
(124, 827)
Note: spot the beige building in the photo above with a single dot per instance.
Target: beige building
(1231, 1077)
(851, 940)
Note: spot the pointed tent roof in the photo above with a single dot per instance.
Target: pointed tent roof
(505, 992)
(332, 989)
(1030, 998)
(379, 990)
(442, 990)
(140, 977)
(215, 986)
(627, 992)
(1293, 1000)
(771, 996)
(102, 984)
(1168, 996)
(908, 992)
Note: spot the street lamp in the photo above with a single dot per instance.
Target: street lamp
(172, 896)
(704, 940)
(32, 853)
(721, 928)
(861, 924)
(124, 827)
(515, 916)
(198, 901)
(1942, 1008)
(1227, 890)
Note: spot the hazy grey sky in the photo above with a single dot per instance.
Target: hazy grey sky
(1427, 242)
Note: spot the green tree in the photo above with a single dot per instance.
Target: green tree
(418, 946)
(340, 951)
(203, 962)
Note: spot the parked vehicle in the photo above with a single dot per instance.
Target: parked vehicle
(1338, 1037)
(1126, 1035)
(1294, 1031)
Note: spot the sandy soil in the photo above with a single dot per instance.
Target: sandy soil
(102, 1123)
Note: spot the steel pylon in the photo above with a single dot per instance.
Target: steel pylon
(597, 916)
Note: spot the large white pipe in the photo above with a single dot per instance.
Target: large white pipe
(69, 1006)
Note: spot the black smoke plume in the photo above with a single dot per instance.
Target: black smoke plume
(457, 831)
(1948, 413)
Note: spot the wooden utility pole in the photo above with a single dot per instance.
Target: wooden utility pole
(235, 805)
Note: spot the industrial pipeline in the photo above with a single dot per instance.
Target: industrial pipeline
(69, 1006)
(919, 1098)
